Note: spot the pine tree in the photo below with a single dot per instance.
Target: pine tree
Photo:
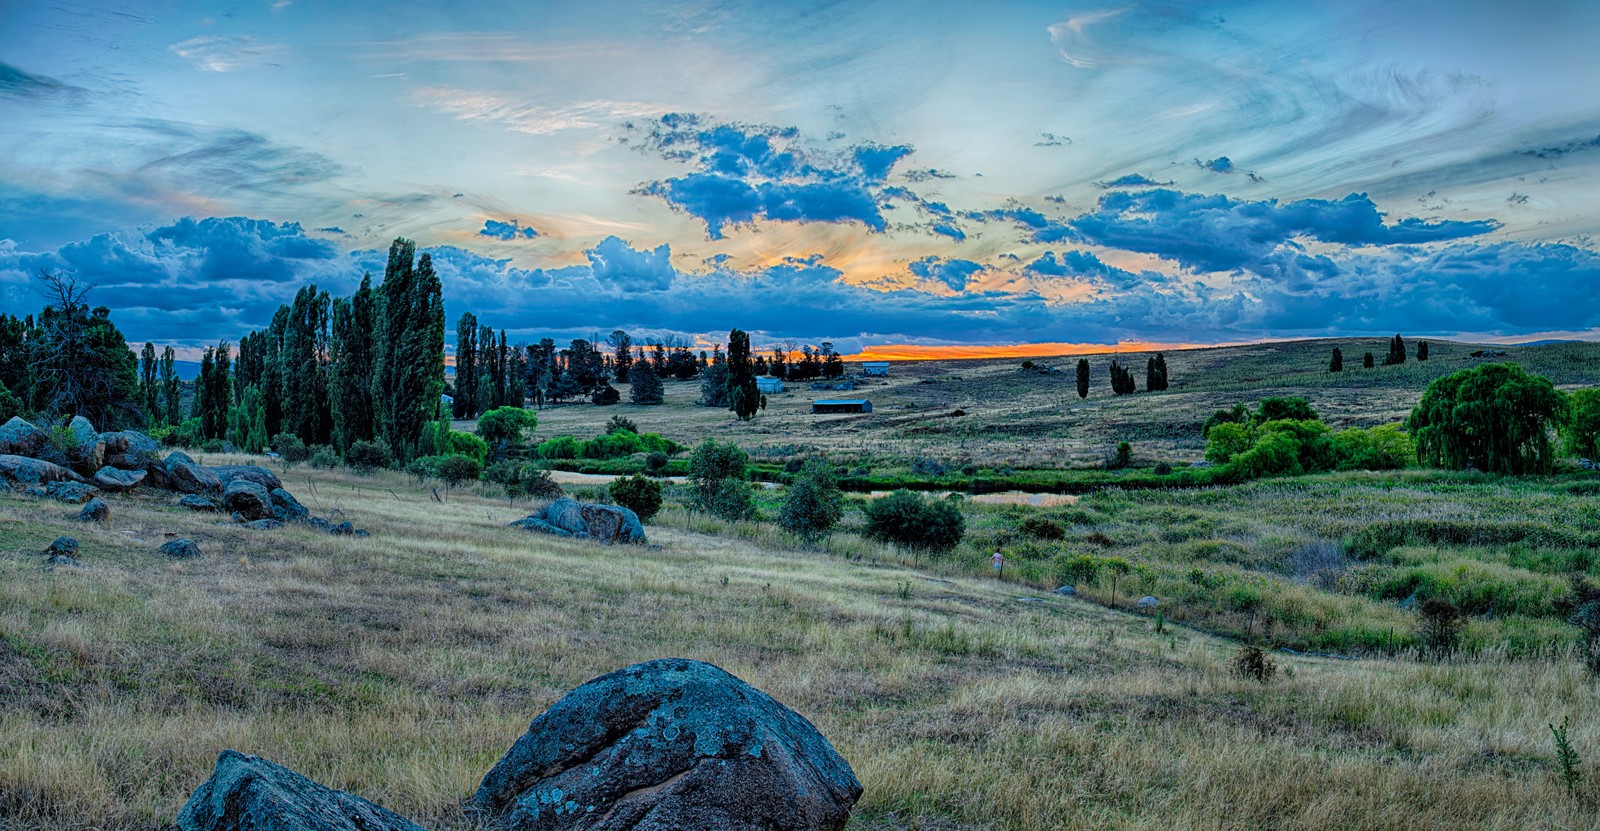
(622, 350)
(466, 366)
(1083, 377)
(1367, 361)
(644, 385)
(1337, 364)
(1397, 352)
(1422, 350)
(744, 398)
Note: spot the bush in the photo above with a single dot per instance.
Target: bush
(1226, 439)
(1124, 456)
(625, 443)
(212, 446)
(710, 465)
(323, 458)
(655, 462)
(1254, 664)
(10, 405)
(1495, 417)
(1163, 469)
(637, 494)
(619, 423)
(512, 425)
(733, 501)
(1041, 528)
(290, 448)
(1439, 626)
(813, 504)
(424, 468)
(906, 519)
(537, 484)
(928, 467)
(366, 456)
(469, 445)
(457, 469)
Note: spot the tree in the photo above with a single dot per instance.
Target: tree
(1156, 373)
(1581, 434)
(605, 395)
(1083, 377)
(1337, 364)
(637, 494)
(1285, 408)
(1422, 350)
(80, 363)
(466, 401)
(714, 386)
(910, 521)
(10, 405)
(149, 393)
(409, 369)
(1122, 382)
(1397, 352)
(1119, 568)
(710, 465)
(511, 425)
(352, 350)
(1495, 417)
(744, 398)
(622, 355)
(213, 400)
(457, 469)
(644, 385)
(813, 504)
(248, 424)
(1366, 361)
(171, 387)
(366, 456)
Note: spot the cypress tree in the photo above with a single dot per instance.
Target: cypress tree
(1083, 377)
(148, 390)
(466, 405)
(744, 398)
(644, 385)
(1367, 361)
(1397, 352)
(1337, 364)
(171, 387)
(1156, 373)
(1422, 350)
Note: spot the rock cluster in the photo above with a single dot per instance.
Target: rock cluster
(567, 517)
(127, 460)
(666, 744)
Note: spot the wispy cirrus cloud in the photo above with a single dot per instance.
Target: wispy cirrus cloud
(518, 114)
(15, 83)
(227, 53)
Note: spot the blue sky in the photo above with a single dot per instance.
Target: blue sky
(867, 173)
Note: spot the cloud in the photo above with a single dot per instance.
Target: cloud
(947, 229)
(518, 114)
(510, 230)
(15, 83)
(1559, 150)
(1084, 267)
(1051, 140)
(744, 173)
(614, 263)
(955, 274)
(1131, 180)
(1221, 164)
(226, 53)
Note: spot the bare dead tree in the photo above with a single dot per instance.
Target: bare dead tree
(77, 373)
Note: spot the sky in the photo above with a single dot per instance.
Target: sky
(916, 178)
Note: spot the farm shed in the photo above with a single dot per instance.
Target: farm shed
(874, 367)
(767, 383)
(851, 405)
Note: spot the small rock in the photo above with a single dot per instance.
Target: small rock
(95, 510)
(343, 529)
(320, 524)
(285, 507)
(1067, 591)
(181, 549)
(361, 534)
(248, 793)
(198, 503)
(21, 438)
(263, 524)
(1147, 602)
(63, 546)
(248, 499)
(114, 480)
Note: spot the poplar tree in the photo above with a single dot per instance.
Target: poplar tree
(353, 351)
(1337, 364)
(1083, 377)
(171, 387)
(148, 390)
(1397, 352)
(466, 405)
(744, 398)
(409, 368)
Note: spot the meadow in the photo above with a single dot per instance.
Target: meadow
(400, 667)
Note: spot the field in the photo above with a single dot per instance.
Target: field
(402, 666)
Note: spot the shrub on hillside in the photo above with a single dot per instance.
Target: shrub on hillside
(469, 445)
(1041, 528)
(323, 458)
(457, 469)
(710, 464)
(1439, 626)
(813, 504)
(512, 425)
(637, 494)
(655, 462)
(910, 521)
(290, 448)
(538, 484)
(367, 456)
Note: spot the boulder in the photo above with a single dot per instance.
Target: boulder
(229, 474)
(1147, 602)
(88, 451)
(197, 503)
(181, 549)
(343, 529)
(21, 438)
(184, 476)
(669, 744)
(130, 449)
(320, 524)
(95, 510)
(111, 479)
(586, 520)
(1067, 591)
(73, 492)
(285, 508)
(247, 499)
(263, 524)
(27, 471)
(248, 793)
(63, 546)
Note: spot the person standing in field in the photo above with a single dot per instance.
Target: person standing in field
(999, 561)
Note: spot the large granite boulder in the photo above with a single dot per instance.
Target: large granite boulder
(285, 508)
(181, 549)
(664, 745)
(88, 452)
(26, 471)
(247, 499)
(95, 510)
(229, 474)
(110, 479)
(75, 493)
(21, 438)
(130, 449)
(586, 520)
(249, 793)
(185, 476)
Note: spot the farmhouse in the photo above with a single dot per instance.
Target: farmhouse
(874, 367)
(850, 405)
(768, 383)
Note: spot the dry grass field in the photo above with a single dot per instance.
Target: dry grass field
(400, 667)
(1026, 419)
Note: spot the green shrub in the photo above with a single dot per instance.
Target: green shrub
(511, 425)
(469, 445)
(710, 464)
(560, 447)
(637, 494)
(367, 456)
(1227, 439)
(733, 500)
(910, 521)
(1041, 528)
(655, 462)
(619, 423)
(212, 446)
(323, 458)
(538, 484)
(457, 469)
(813, 504)
(290, 448)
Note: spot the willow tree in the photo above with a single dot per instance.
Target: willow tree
(1495, 417)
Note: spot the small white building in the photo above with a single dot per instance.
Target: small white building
(769, 383)
(874, 367)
